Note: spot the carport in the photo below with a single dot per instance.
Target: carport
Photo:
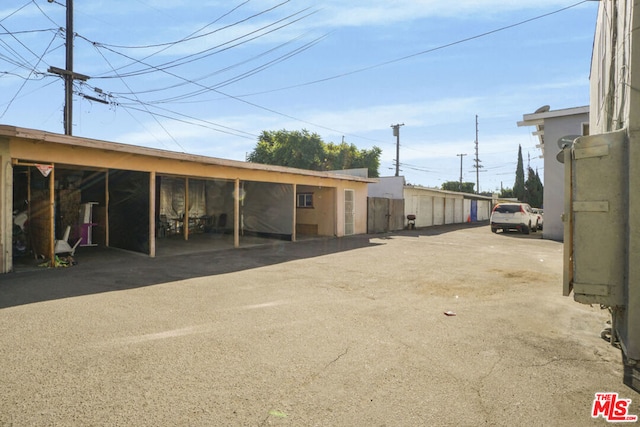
(79, 192)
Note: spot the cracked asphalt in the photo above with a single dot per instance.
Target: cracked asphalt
(325, 332)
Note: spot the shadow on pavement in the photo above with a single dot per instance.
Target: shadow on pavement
(105, 269)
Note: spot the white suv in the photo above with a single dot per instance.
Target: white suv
(514, 216)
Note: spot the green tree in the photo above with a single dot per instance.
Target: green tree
(465, 187)
(370, 159)
(506, 193)
(519, 187)
(534, 188)
(304, 150)
(297, 149)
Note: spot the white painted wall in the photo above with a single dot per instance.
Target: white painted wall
(389, 187)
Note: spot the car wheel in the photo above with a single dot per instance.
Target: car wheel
(534, 229)
(526, 229)
(494, 230)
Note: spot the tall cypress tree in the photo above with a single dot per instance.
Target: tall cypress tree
(534, 188)
(518, 187)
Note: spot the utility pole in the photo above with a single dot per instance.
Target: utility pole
(477, 165)
(396, 133)
(68, 74)
(461, 156)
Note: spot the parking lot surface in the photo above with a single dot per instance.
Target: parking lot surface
(446, 326)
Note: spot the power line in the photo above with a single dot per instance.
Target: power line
(16, 11)
(424, 52)
(192, 36)
(231, 79)
(198, 55)
(207, 88)
(154, 117)
(239, 99)
(193, 121)
(25, 80)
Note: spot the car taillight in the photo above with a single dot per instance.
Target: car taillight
(521, 209)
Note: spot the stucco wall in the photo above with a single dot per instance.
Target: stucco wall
(554, 129)
(322, 214)
(389, 187)
(614, 101)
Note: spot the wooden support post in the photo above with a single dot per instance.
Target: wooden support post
(295, 212)
(152, 214)
(185, 219)
(236, 214)
(106, 208)
(52, 234)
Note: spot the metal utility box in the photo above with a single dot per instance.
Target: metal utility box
(596, 189)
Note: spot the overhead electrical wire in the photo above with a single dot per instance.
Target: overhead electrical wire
(26, 80)
(17, 10)
(230, 80)
(35, 55)
(413, 55)
(193, 121)
(183, 60)
(200, 55)
(44, 13)
(154, 117)
(192, 36)
(208, 87)
(195, 32)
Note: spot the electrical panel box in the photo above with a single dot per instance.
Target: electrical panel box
(596, 177)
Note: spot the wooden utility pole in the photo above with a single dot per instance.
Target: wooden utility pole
(396, 133)
(68, 74)
(461, 156)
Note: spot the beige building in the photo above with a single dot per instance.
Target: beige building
(62, 192)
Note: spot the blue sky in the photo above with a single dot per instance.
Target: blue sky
(206, 77)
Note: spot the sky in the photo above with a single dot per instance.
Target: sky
(207, 77)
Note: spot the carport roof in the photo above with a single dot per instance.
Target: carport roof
(39, 135)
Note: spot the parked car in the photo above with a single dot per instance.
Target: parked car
(514, 216)
(540, 213)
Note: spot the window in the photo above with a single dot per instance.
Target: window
(305, 200)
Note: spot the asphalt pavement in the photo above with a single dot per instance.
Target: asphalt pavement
(446, 326)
